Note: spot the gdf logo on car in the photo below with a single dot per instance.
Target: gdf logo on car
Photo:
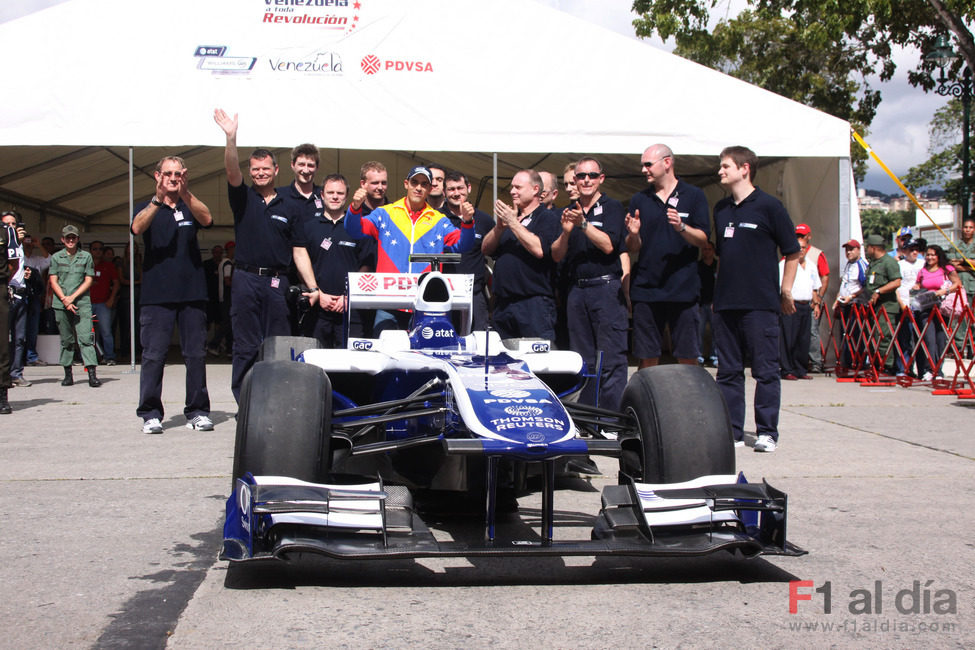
(371, 64)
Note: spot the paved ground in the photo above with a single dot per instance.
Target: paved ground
(109, 539)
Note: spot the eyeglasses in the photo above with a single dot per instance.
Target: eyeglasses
(648, 165)
(592, 175)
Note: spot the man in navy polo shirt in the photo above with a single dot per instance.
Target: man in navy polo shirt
(334, 253)
(590, 244)
(174, 292)
(263, 225)
(667, 224)
(521, 244)
(457, 208)
(752, 228)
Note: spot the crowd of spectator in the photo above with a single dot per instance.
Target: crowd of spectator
(697, 284)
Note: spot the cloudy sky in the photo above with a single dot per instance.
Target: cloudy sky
(899, 134)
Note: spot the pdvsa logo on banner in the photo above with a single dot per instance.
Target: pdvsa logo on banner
(329, 15)
(372, 64)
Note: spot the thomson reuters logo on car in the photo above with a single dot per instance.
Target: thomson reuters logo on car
(371, 64)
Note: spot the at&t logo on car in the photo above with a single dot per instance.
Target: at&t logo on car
(361, 344)
(429, 333)
(540, 347)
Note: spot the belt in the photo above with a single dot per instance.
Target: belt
(260, 270)
(801, 302)
(592, 282)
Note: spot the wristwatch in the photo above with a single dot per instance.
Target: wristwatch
(584, 224)
(156, 202)
(683, 226)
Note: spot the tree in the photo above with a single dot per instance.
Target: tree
(818, 52)
(882, 222)
(943, 168)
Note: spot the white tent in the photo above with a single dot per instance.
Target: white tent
(452, 81)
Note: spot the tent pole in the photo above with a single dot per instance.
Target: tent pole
(495, 171)
(131, 265)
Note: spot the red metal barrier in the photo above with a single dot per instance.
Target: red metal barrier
(856, 340)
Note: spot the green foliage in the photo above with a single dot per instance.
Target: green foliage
(818, 52)
(944, 167)
(874, 221)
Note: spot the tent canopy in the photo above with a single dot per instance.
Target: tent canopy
(428, 80)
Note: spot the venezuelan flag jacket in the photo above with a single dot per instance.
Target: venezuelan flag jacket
(400, 233)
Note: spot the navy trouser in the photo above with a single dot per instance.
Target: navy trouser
(749, 333)
(257, 311)
(532, 317)
(156, 324)
(597, 321)
(18, 337)
(794, 341)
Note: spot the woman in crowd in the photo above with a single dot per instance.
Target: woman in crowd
(940, 277)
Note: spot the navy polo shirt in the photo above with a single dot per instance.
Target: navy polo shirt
(471, 261)
(666, 270)
(750, 236)
(300, 206)
(172, 270)
(333, 252)
(518, 273)
(263, 231)
(583, 259)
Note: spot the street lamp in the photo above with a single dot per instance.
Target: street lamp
(943, 56)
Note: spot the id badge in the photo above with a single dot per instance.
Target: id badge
(177, 215)
(275, 283)
(729, 232)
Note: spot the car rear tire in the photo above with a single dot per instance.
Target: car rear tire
(286, 348)
(682, 426)
(284, 422)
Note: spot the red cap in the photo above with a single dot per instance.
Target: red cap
(230, 244)
(803, 229)
(852, 244)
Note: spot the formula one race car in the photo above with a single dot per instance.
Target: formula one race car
(343, 452)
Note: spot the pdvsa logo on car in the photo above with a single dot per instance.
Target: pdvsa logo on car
(361, 344)
(372, 64)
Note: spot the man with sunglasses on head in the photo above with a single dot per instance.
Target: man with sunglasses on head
(404, 227)
(590, 243)
(667, 224)
(174, 292)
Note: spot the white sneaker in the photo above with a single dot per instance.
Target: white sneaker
(152, 425)
(927, 376)
(765, 443)
(739, 443)
(200, 423)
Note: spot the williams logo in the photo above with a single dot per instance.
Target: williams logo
(371, 64)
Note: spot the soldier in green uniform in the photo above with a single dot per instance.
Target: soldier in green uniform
(883, 278)
(71, 273)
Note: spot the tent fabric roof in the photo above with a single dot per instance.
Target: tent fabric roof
(364, 79)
